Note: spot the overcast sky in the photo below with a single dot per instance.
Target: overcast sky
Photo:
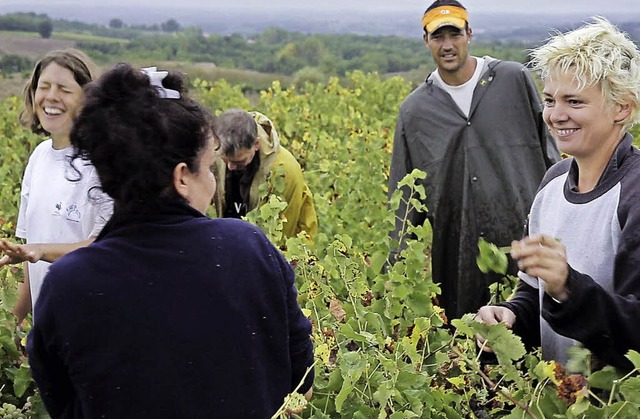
(603, 7)
(244, 12)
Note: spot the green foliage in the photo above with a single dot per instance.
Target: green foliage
(269, 215)
(275, 54)
(505, 50)
(383, 348)
(116, 23)
(219, 96)
(14, 64)
(16, 387)
(128, 32)
(170, 25)
(340, 133)
(309, 75)
(635, 131)
(491, 258)
(45, 28)
(27, 22)
(272, 51)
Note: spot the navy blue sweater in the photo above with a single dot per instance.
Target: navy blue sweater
(176, 316)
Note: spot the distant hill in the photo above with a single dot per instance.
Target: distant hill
(406, 23)
(520, 27)
(248, 48)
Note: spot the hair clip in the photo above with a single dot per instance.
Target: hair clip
(156, 78)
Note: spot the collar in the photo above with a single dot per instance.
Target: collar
(488, 69)
(160, 211)
(613, 172)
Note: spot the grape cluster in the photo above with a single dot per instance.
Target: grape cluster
(9, 411)
(571, 386)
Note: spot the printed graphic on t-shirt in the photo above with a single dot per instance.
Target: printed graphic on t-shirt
(71, 212)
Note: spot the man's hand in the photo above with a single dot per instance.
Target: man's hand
(493, 315)
(546, 258)
(16, 253)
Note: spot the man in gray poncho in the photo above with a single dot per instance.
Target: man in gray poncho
(475, 127)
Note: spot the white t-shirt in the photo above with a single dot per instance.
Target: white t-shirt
(462, 94)
(54, 209)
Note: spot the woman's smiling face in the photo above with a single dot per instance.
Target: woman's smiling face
(580, 119)
(57, 101)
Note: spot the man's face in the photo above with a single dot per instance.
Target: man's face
(449, 46)
(242, 158)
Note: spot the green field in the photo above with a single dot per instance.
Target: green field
(74, 36)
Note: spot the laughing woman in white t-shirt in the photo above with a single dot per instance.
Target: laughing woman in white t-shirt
(61, 205)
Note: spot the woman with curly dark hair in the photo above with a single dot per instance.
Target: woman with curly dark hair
(168, 313)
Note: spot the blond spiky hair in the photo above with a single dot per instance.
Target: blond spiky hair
(597, 53)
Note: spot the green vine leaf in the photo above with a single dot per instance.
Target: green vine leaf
(352, 366)
(22, 379)
(634, 357)
(505, 344)
(630, 390)
(491, 258)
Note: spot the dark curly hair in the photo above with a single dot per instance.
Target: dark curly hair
(134, 137)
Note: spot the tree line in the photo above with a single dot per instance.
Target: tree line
(28, 22)
(275, 50)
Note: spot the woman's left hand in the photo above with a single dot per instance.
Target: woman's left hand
(546, 258)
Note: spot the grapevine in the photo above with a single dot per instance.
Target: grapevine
(383, 347)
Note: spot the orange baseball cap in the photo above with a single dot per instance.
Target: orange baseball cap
(446, 15)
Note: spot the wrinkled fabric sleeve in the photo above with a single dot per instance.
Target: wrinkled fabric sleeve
(308, 220)
(525, 305)
(47, 367)
(300, 211)
(104, 211)
(21, 225)
(607, 324)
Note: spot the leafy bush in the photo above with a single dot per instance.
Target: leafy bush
(16, 387)
(309, 75)
(383, 347)
(12, 63)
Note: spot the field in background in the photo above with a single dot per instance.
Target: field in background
(33, 46)
(30, 44)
